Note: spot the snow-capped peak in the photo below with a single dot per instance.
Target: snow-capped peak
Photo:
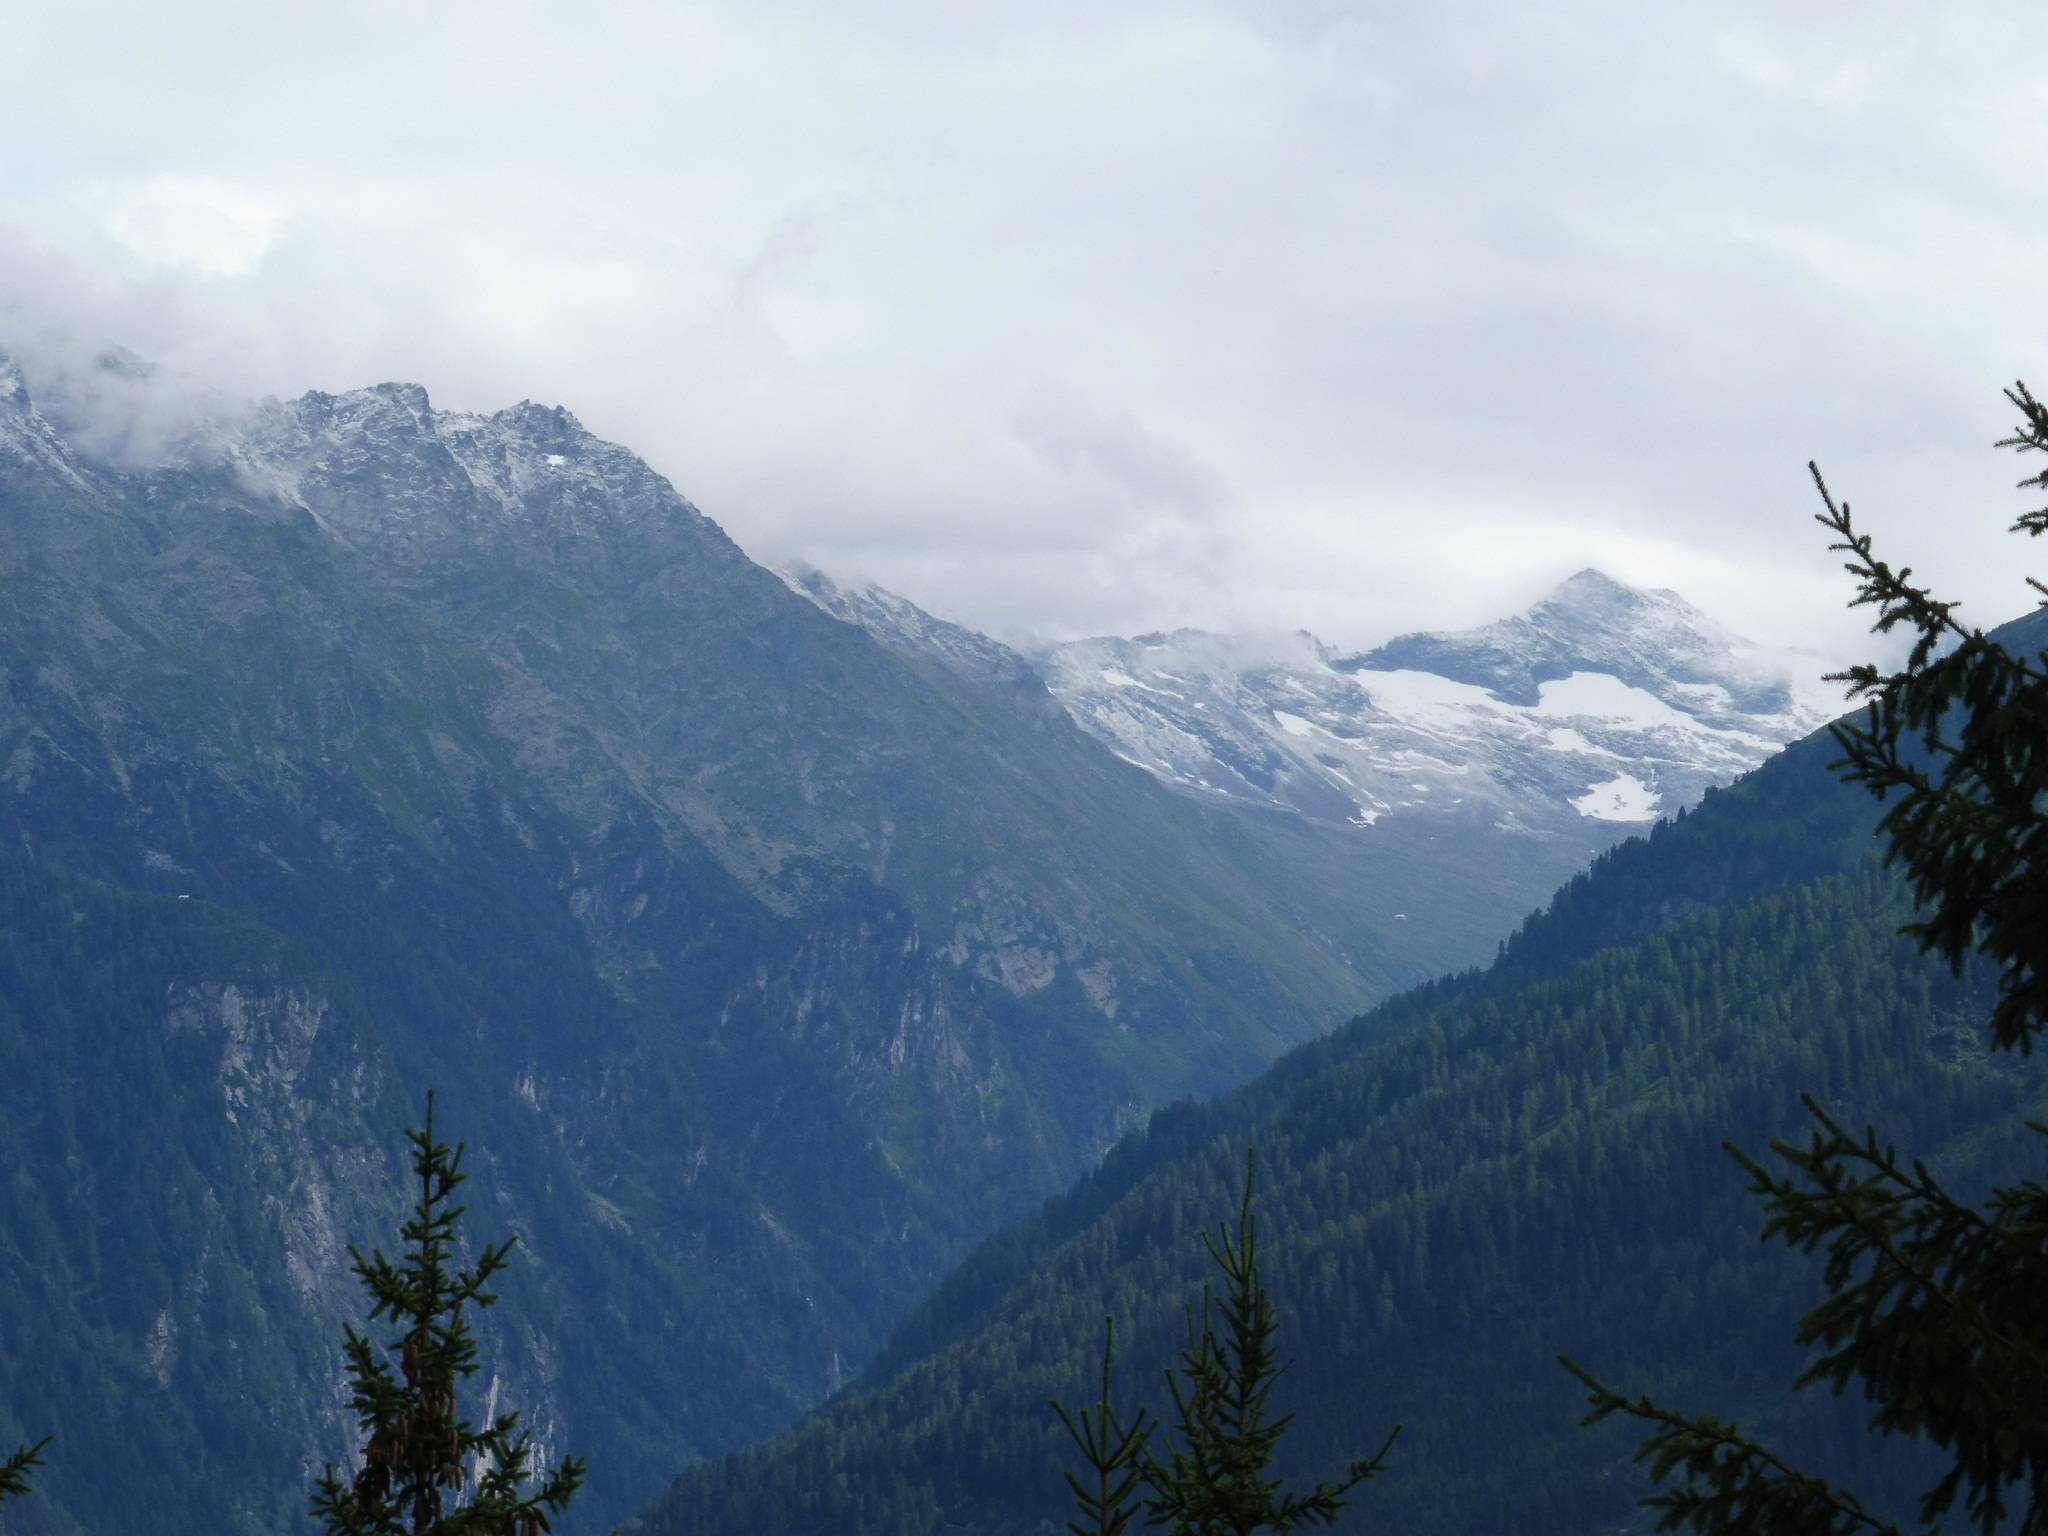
(379, 467)
(382, 467)
(1601, 701)
(1594, 588)
(1653, 640)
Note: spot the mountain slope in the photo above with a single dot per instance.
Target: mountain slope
(768, 968)
(1472, 1179)
(1431, 791)
(184, 1092)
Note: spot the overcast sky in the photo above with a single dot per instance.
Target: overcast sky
(1085, 317)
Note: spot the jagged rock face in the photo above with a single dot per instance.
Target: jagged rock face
(408, 484)
(764, 966)
(31, 451)
(189, 1137)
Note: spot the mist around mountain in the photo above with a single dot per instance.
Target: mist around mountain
(1468, 1180)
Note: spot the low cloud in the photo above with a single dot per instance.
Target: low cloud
(1078, 319)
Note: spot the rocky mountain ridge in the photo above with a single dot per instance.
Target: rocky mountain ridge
(768, 966)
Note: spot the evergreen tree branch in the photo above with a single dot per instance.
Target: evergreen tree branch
(1971, 835)
(14, 1478)
(1853, 1221)
(1735, 1486)
(1114, 1451)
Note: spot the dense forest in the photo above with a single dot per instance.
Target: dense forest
(197, 1114)
(1458, 1187)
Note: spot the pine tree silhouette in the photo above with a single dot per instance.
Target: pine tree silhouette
(1113, 1452)
(419, 1452)
(1938, 1309)
(1214, 1480)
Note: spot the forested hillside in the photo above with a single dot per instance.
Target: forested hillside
(1532, 1166)
(765, 970)
(246, 1094)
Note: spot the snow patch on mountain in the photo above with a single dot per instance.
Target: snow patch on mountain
(1654, 640)
(1609, 698)
(1602, 701)
(1621, 798)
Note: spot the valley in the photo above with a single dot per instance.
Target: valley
(775, 942)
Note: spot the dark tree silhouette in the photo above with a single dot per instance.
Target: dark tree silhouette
(1214, 1478)
(14, 1481)
(419, 1453)
(1937, 1308)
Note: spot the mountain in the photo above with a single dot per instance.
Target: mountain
(1438, 787)
(1464, 1182)
(909, 631)
(193, 1120)
(767, 955)
(1601, 705)
(764, 967)
(1650, 640)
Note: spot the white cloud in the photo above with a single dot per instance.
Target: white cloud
(1095, 318)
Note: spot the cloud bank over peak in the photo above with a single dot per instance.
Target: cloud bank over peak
(1076, 320)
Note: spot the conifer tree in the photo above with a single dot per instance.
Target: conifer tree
(1215, 1478)
(1937, 1308)
(419, 1453)
(14, 1480)
(1113, 1452)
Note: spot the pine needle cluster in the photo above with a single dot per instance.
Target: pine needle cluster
(14, 1479)
(1113, 1453)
